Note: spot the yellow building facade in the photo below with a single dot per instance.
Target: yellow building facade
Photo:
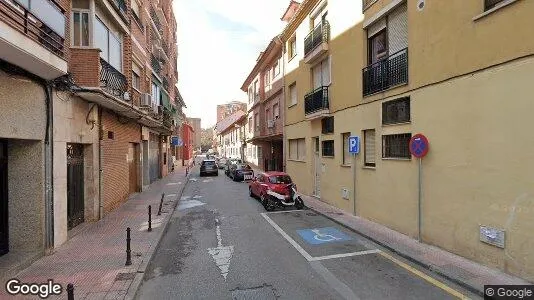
(459, 72)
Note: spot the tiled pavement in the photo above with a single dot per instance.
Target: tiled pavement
(94, 259)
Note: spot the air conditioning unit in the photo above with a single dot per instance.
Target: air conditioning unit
(270, 124)
(146, 100)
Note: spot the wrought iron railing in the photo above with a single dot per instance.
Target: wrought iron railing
(120, 7)
(113, 81)
(156, 20)
(320, 34)
(317, 100)
(367, 3)
(489, 4)
(156, 66)
(167, 118)
(33, 27)
(165, 47)
(386, 73)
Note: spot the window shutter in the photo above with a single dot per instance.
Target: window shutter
(398, 29)
(293, 149)
(376, 27)
(301, 149)
(370, 146)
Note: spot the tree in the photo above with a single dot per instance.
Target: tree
(206, 139)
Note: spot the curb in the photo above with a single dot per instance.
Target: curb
(140, 275)
(406, 256)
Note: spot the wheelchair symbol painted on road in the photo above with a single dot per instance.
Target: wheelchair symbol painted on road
(317, 236)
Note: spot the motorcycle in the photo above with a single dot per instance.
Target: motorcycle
(289, 197)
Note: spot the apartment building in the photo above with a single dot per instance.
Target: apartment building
(385, 70)
(81, 126)
(231, 135)
(264, 87)
(227, 109)
(195, 122)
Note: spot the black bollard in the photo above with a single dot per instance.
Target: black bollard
(128, 249)
(70, 291)
(161, 204)
(150, 218)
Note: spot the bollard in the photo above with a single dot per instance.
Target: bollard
(150, 218)
(161, 204)
(70, 291)
(128, 249)
(186, 171)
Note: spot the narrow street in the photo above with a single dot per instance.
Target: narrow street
(221, 244)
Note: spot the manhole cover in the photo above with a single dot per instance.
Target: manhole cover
(125, 276)
(311, 214)
(265, 292)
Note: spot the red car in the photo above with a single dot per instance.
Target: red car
(275, 189)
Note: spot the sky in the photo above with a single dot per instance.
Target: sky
(218, 44)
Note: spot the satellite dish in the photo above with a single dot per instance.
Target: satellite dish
(420, 5)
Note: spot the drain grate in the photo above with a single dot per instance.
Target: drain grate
(125, 276)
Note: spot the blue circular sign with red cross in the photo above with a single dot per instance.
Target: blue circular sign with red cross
(419, 145)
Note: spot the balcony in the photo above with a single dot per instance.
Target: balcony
(165, 83)
(32, 37)
(113, 81)
(156, 24)
(156, 65)
(316, 43)
(387, 73)
(121, 9)
(367, 3)
(316, 104)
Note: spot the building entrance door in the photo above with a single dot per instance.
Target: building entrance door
(75, 185)
(4, 227)
(133, 158)
(317, 168)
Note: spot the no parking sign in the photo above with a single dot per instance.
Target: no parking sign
(419, 145)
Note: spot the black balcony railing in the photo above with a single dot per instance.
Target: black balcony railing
(320, 34)
(367, 3)
(113, 81)
(386, 73)
(33, 27)
(167, 118)
(165, 47)
(489, 4)
(156, 65)
(316, 101)
(155, 18)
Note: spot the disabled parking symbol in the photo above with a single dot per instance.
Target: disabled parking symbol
(317, 236)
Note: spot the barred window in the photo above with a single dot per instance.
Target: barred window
(369, 147)
(328, 148)
(346, 155)
(396, 145)
(327, 125)
(396, 111)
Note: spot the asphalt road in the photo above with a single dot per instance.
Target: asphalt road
(221, 244)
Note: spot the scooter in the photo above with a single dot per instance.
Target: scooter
(292, 198)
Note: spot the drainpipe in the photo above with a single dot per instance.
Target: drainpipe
(100, 171)
(49, 171)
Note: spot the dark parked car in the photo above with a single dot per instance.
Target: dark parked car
(221, 163)
(229, 163)
(209, 166)
(240, 172)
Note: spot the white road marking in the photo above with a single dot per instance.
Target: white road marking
(189, 204)
(185, 197)
(207, 180)
(316, 258)
(222, 254)
(288, 238)
(332, 281)
(282, 211)
(197, 197)
(170, 195)
(193, 179)
(172, 183)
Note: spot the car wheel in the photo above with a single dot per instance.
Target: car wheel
(299, 204)
(250, 193)
(269, 204)
(263, 201)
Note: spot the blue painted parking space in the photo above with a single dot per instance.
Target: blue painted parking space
(317, 236)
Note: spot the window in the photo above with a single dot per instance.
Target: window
(136, 81)
(396, 145)
(292, 46)
(369, 147)
(377, 46)
(80, 28)
(280, 179)
(267, 79)
(276, 69)
(346, 154)
(297, 149)
(250, 95)
(135, 10)
(327, 125)
(257, 121)
(489, 4)
(155, 94)
(256, 92)
(321, 74)
(276, 111)
(250, 125)
(293, 94)
(328, 148)
(109, 44)
(260, 154)
(267, 115)
(396, 111)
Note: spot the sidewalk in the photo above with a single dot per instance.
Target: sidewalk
(466, 273)
(94, 259)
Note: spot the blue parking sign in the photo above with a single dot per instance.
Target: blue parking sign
(354, 144)
(317, 236)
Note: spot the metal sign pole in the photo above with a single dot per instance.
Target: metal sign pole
(420, 190)
(354, 181)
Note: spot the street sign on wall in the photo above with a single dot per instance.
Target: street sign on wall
(419, 145)
(354, 144)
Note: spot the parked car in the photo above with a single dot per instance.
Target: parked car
(240, 172)
(208, 166)
(230, 162)
(275, 189)
(221, 163)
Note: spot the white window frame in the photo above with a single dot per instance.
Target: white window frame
(293, 102)
(89, 24)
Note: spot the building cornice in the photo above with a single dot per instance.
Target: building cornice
(302, 12)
